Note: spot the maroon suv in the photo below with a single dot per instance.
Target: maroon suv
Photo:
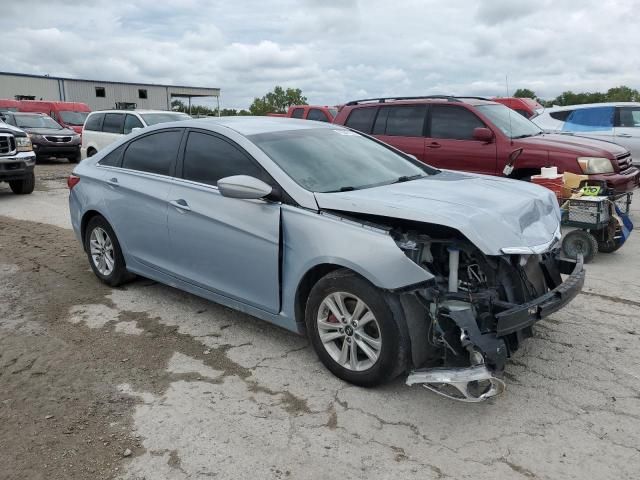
(478, 135)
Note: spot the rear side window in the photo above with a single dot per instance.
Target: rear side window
(94, 122)
(297, 113)
(113, 159)
(318, 115)
(208, 158)
(113, 123)
(153, 153)
(454, 123)
(361, 119)
(589, 119)
(401, 121)
(131, 122)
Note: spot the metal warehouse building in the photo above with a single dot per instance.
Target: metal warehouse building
(97, 94)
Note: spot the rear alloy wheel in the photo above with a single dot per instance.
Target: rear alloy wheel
(24, 186)
(353, 330)
(103, 251)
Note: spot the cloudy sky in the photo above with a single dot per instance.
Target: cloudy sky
(334, 50)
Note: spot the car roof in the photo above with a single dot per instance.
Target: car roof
(591, 105)
(246, 125)
(135, 111)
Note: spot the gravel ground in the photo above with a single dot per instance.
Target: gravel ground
(147, 382)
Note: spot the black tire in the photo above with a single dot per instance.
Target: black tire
(579, 241)
(392, 358)
(91, 152)
(119, 274)
(75, 158)
(24, 186)
(610, 246)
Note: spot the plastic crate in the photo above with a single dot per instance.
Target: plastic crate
(590, 212)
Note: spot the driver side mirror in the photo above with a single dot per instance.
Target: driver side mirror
(243, 186)
(482, 134)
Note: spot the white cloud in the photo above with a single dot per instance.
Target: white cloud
(334, 50)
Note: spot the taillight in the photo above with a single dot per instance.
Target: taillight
(72, 181)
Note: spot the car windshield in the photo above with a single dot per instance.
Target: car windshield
(163, 117)
(331, 160)
(36, 121)
(509, 122)
(74, 118)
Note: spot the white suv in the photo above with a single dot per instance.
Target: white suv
(106, 126)
(616, 122)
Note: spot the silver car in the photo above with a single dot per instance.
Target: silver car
(388, 265)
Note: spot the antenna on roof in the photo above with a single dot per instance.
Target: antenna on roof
(506, 81)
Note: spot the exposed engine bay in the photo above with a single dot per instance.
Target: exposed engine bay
(477, 310)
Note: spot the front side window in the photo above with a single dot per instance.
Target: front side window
(589, 119)
(113, 123)
(361, 119)
(403, 121)
(94, 122)
(336, 159)
(510, 123)
(317, 115)
(297, 113)
(208, 158)
(153, 153)
(456, 123)
(131, 122)
(628, 117)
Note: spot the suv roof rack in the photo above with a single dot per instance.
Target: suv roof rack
(449, 98)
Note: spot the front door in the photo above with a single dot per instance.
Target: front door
(593, 122)
(450, 143)
(227, 245)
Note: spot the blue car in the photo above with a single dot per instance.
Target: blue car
(388, 265)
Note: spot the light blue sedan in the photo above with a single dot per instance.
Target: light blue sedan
(387, 264)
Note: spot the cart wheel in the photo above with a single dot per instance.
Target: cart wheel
(579, 241)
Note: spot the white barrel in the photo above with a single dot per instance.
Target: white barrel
(549, 172)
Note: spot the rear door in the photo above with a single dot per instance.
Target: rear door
(137, 187)
(627, 130)
(403, 127)
(227, 245)
(450, 143)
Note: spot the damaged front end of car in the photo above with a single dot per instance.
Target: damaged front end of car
(477, 310)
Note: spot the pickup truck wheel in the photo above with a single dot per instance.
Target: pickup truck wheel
(579, 241)
(104, 253)
(24, 186)
(353, 330)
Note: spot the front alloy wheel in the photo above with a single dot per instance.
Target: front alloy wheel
(349, 331)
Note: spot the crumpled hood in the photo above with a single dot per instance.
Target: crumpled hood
(580, 146)
(491, 212)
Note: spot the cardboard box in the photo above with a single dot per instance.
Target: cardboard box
(571, 183)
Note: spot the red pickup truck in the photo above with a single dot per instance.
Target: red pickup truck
(309, 112)
(477, 135)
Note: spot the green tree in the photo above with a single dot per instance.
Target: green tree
(277, 101)
(524, 93)
(623, 94)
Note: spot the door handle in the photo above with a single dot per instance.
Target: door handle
(625, 135)
(113, 182)
(434, 145)
(181, 204)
